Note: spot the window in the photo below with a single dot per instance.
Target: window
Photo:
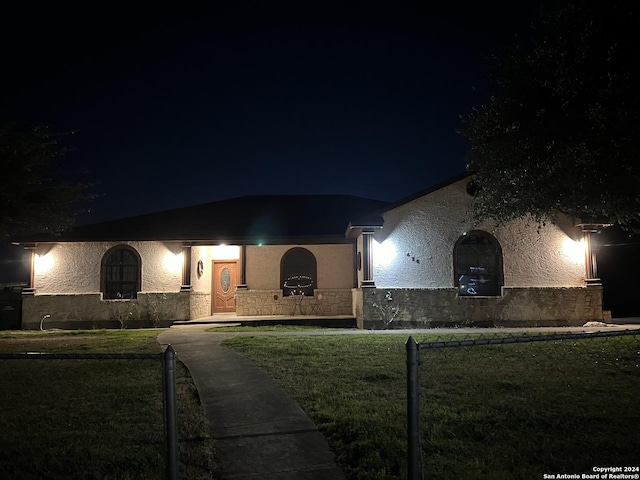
(298, 272)
(478, 265)
(120, 273)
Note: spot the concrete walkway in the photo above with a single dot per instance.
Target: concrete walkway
(259, 431)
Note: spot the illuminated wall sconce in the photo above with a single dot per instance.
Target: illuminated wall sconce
(173, 262)
(383, 253)
(43, 263)
(574, 250)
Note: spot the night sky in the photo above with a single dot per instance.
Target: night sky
(178, 105)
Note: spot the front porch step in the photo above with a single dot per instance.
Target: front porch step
(304, 320)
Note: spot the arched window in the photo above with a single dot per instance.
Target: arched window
(121, 273)
(298, 272)
(477, 260)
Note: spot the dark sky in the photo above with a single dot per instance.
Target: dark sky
(177, 105)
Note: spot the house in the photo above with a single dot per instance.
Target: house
(418, 262)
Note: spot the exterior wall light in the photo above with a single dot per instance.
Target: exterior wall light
(574, 250)
(383, 253)
(43, 263)
(225, 252)
(173, 262)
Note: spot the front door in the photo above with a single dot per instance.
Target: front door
(223, 286)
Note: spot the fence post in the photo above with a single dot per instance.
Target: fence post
(414, 467)
(171, 417)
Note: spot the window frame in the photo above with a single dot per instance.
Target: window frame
(310, 276)
(497, 277)
(105, 289)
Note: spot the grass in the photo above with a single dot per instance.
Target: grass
(495, 412)
(91, 419)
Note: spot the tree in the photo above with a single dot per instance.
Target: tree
(561, 132)
(33, 195)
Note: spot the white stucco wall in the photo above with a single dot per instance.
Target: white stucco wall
(67, 268)
(335, 265)
(74, 268)
(206, 254)
(415, 247)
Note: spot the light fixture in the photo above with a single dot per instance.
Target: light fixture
(173, 262)
(43, 263)
(383, 253)
(574, 250)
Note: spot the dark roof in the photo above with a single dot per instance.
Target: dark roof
(250, 219)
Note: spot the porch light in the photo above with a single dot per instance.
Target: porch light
(574, 250)
(43, 263)
(383, 253)
(173, 262)
(225, 252)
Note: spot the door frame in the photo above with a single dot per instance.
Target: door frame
(234, 283)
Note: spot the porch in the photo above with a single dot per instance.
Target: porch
(232, 319)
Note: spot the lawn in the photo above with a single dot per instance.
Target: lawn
(99, 419)
(492, 412)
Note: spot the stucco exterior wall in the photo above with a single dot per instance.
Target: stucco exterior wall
(415, 247)
(335, 265)
(206, 254)
(68, 268)
(67, 287)
(413, 255)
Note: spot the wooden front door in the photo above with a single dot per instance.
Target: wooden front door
(223, 286)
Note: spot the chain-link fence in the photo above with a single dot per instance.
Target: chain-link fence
(543, 406)
(69, 415)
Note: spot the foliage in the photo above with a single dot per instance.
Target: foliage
(561, 132)
(148, 310)
(387, 310)
(33, 195)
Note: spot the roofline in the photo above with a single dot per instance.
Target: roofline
(294, 240)
(427, 191)
(355, 229)
(373, 221)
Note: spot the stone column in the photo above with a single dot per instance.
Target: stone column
(186, 269)
(367, 259)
